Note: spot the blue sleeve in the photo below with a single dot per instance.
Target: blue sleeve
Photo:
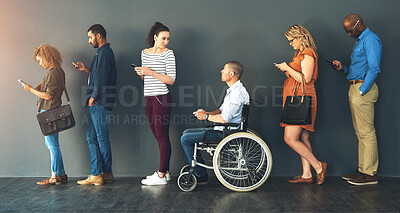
(104, 68)
(373, 49)
(346, 69)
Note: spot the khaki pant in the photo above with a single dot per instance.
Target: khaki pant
(362, 113)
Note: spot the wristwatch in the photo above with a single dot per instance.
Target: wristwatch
(206, 117)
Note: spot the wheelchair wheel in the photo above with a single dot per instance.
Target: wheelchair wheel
(242, 162)
(185, 168)
(187, 182)
(253, 132)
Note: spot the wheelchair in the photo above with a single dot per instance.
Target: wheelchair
(241, 161)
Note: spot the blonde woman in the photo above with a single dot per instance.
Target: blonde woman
(305, 62)
(49, 91)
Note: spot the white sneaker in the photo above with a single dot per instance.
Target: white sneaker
(154, 180)
(168, 176)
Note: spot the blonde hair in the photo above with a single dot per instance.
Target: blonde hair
(49, 54)
(298, 31)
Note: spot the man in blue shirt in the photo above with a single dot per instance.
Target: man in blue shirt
(100, 99)
(363, 93)
(229, 112)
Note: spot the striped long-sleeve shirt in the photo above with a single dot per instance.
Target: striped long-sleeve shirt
(163, 63)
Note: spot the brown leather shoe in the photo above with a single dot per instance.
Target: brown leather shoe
(95, 180)
(364, 179)
(64, 178)
(351, 176)
(321, 175)
(300, 179)
(108, 177)
(50, 181)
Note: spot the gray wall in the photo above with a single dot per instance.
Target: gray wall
(205, 34)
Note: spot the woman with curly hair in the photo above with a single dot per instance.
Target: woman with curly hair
(49, 91)
(304, 63)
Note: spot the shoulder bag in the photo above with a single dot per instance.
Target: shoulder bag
(57, 119)
(297, 109)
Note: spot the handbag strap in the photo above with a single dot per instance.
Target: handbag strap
(303, 82)
(64, 89)
(303, 87)
(296, 88)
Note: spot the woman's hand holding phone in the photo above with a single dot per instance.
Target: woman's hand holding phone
(137, 69)
(282, 66)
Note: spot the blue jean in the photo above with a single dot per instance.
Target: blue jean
(97, 135)
(192, 136)
(57, 165)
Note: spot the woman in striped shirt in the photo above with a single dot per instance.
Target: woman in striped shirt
(158, 69)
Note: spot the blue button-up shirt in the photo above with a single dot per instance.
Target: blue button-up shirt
(236, 96)
(365, 60)
(103, 77)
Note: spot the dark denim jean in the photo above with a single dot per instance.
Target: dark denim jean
(192, 136)
(97, 136)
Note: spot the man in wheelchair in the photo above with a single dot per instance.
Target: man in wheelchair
(229, 112)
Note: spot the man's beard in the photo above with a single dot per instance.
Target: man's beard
(95, 44)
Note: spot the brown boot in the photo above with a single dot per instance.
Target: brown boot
(64, 178)
(95, 180)
(108, 177)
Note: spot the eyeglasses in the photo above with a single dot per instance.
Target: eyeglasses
(351, 31)
(291, 40)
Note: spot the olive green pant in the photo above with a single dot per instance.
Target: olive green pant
(362, 113)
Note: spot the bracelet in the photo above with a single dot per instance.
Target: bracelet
(206, 117)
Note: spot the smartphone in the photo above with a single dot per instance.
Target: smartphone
(329, 62)
(21, 81)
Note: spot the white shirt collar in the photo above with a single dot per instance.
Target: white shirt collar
(236, 84)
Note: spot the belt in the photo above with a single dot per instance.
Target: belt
(355, 82)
